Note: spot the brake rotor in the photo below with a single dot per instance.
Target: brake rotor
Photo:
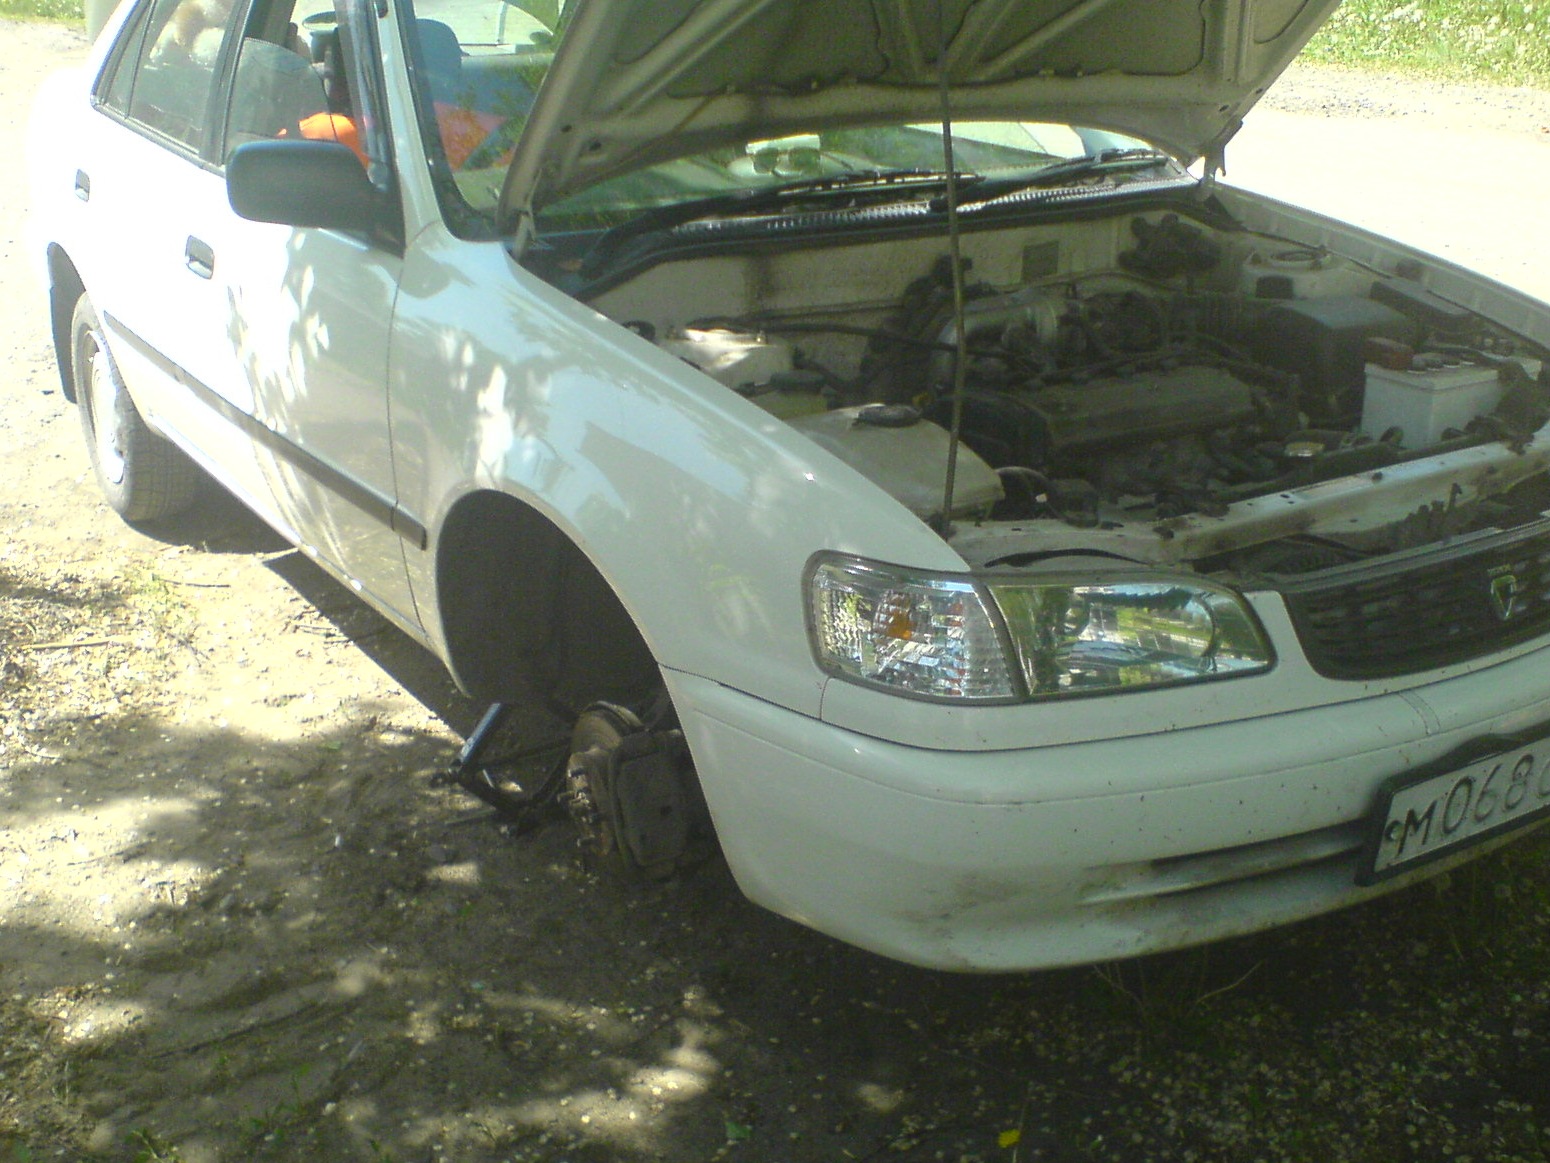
(632, 793)
(588, 795)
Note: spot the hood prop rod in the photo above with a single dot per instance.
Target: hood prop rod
(955, 256)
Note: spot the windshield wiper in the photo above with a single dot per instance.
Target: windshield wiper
(1106, 161)
(754, 201)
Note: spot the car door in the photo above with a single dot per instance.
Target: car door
(144, 180)
(307, 312)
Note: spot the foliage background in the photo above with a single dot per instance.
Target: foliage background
(69, 11)
(1500, 41)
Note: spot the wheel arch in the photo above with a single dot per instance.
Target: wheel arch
(526, 614)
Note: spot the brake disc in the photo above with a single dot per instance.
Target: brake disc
(588, 794)
(631, 792)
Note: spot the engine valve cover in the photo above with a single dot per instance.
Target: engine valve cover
(1145, 406)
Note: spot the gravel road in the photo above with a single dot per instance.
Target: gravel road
(1459, 170)
(239, 921)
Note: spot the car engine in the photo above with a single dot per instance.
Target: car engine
(1186, 377)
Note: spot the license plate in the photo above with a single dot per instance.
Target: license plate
(1467, 798)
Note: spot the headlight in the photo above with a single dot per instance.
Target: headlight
(996, 639)
(1082, 638)
(915, 633)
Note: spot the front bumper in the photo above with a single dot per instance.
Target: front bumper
(987, 860)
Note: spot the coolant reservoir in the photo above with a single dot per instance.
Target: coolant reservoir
(786, 401)
(906, 458)
(1308, 273)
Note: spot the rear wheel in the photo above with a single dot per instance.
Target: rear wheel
(143, 476)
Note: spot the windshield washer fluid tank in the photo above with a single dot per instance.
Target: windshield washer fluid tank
(908, 462)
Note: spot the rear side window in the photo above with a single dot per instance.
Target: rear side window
(166, 72)
(117, 82)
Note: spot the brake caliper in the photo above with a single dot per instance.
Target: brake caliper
(631, 792)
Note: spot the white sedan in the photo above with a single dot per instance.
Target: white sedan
(875, 426)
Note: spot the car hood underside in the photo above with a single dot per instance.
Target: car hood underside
(639, 81)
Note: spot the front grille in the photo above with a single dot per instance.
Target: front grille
(1417, 610)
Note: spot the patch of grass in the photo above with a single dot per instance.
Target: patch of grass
(1505, 42)
(271, 1128)
(151, 1148)
(63, 11)
(37, 1109)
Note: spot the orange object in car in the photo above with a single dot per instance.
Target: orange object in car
(334, 127)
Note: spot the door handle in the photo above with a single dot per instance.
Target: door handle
(199, 257)
(83, 185)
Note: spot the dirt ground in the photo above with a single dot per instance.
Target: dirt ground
(239, 920)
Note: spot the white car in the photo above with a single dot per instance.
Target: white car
(1033, 550)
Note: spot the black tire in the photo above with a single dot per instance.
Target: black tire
(143, 476)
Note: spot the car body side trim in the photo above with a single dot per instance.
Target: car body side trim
(367, 500)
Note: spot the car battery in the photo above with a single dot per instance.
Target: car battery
(1425, 404)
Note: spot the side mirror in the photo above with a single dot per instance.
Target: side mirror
(304, 183)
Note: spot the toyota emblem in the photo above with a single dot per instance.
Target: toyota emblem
(1504, 591)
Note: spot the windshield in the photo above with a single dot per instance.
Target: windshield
(852, 157)
(479, 64)
(495, 25)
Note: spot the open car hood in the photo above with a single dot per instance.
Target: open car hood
(635, 82)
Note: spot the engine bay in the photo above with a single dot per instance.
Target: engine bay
(1155, 387)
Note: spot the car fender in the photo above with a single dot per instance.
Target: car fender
(699, 509)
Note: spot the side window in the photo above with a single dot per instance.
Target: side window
(301, 74)
(275, 93)
(170, 88)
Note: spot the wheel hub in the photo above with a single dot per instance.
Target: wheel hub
(631, 792)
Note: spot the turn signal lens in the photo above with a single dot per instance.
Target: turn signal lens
(927, 635)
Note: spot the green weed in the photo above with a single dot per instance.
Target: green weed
(1501, 41)
(272, 1128)
(152, 1148)
(63, 11)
